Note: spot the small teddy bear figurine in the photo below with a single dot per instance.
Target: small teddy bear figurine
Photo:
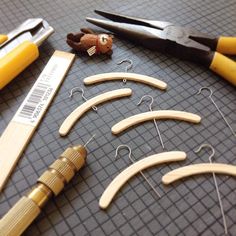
(88, 41)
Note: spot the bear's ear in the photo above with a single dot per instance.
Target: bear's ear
(86, 31)
(70, 36)
(75, 37)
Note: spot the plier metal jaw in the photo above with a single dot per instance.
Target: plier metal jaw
(183, 42)
(19, 48)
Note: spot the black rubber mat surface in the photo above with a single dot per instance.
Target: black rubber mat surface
(189, 207)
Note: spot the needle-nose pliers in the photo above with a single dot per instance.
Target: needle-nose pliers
(183, 42)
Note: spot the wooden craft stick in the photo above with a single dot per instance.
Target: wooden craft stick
(158, 115)
(198, 169)
(19, 131)
(128, 76)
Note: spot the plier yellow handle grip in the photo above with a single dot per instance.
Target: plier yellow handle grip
(221, 64)
(226, 45)
(3, 38)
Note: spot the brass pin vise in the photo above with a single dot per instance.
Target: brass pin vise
(49, 184)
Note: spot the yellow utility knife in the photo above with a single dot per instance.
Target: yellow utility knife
(19, 48)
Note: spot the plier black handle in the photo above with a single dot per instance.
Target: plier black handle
(183, 42)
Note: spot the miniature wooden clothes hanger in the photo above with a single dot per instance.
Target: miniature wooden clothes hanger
(203, 168)
(125, 76)
(158, 115)
(197, 169)
(132, 160)
(135, 168)
(83, 108)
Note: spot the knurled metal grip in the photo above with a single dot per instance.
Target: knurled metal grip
(19, 217)
(76, 156)
(51, 182)
(63, 169)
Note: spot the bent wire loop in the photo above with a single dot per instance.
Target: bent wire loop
(125, 76)
(81, 90)
(158, 115)
(127, 68)
(135, 168)
(79, 111)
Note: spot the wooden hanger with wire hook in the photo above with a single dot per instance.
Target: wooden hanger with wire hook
(203, 168)
(158, 115)
(132, 160)
(80, 110)
(99, 78)
(135, 168)
(197, 169)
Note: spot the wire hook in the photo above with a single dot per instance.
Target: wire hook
(222, 115)
(81, 90)
(154, 120)
(146, 96)
(206, 88)
(205, 145)
(132, 160)
(127, 67)
(124, 146)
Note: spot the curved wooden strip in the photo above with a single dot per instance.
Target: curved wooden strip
(135, 168)
(129, 76)
(198, 169)
(158, 115)
(79, 111)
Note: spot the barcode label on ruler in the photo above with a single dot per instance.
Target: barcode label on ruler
(36, 102)
(33, 101)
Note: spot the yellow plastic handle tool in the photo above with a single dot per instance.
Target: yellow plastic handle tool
(3, 38)
(225, 67)
(16, 61)
(226, 45)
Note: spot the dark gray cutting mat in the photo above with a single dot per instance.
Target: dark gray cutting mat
(189, 207)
